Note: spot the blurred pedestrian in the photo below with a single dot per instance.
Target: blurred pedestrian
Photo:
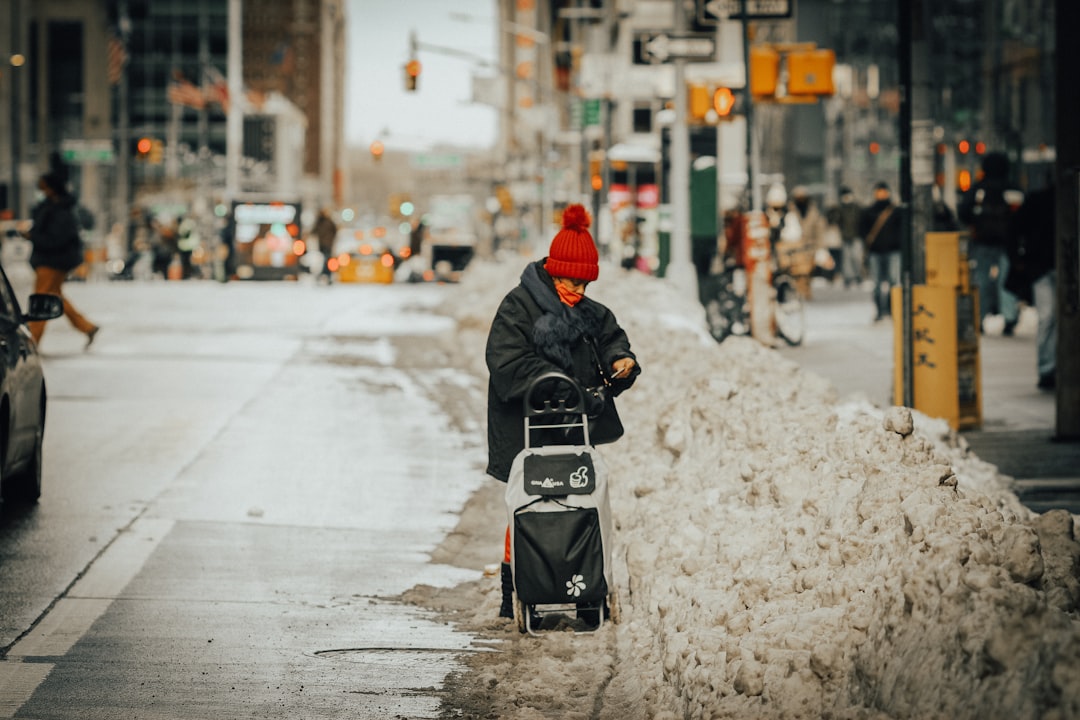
(547, 324)
(325, 232)
(57, 250)
(162, 243)
(987, 210)
(814, 228)
(188, 240)
(1031, 250)
(879, 226)
(845, 217)
(942, 218)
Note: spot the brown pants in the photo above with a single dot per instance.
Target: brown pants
(50, 280)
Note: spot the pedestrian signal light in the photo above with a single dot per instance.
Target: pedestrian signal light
(142, 147)
(810, 72)
(980, 148)
(963, 147)
(156, 153)
(764, 71)
(875, 148)
(412, 73)
(963, 180)
(698, 97)
(723, 101)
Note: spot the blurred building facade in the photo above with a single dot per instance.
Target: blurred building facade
(132, 96)
(586, 115)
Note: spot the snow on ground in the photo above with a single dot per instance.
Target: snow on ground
(781, 555)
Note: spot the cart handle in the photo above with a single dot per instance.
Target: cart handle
(560, 407)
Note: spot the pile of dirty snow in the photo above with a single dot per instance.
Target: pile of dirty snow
(782, 554)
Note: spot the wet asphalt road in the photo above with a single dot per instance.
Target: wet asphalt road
(238, 478)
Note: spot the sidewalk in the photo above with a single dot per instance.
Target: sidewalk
(845, 346)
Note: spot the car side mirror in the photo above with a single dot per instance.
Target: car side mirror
(44, 307)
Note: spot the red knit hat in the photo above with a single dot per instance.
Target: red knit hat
(573, 252)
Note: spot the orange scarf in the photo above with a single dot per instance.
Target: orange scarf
(568, 296)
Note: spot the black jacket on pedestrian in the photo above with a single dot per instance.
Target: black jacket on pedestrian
(1033, 243)
(534, 333)
(55, 235)
(887, 238)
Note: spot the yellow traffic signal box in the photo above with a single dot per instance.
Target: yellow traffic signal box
(699, 103)
(810, 72)
(764, 71)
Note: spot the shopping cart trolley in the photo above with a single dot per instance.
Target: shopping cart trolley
(558, 511)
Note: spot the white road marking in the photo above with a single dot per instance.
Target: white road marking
(72, 615)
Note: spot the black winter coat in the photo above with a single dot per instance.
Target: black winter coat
(888, 238)
(518, 352)
(55, 235)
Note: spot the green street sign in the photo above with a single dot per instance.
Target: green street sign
(88, 151)
(592, 112)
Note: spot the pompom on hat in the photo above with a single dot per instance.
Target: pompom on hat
(573, 252)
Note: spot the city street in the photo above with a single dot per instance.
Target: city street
(236, 479)
(243, 480)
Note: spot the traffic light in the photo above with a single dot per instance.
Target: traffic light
(963, 180)
(376, 150)
(142, 148)
(810, 72)
(764, 71)
(698, 98)
(707, 104)
(723, 101)
(412, 74)
(596, 180)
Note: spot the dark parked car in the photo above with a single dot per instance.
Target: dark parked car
(22, 393)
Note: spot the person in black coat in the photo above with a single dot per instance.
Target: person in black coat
(879, 226)
(546, 324)
(57, 250)
(1031, 250)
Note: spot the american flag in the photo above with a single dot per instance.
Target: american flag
(117, 59)
(184, 92)
(216, 88)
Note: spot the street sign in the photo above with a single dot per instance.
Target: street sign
(664, 47)
(713, 11)
(79, 151)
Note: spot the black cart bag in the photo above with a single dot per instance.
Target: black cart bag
(557, 505)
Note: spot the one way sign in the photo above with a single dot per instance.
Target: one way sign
(664, 47)
(712, 11)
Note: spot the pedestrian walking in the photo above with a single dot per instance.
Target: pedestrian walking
(57, 250)
(546, 324)
(325, 232)
(1032, 277)
(845, 216)
(987, 210)
(879, 225)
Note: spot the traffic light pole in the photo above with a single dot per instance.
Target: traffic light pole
(753, 187)
(680, 270)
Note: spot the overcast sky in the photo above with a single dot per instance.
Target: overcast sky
(377, 104)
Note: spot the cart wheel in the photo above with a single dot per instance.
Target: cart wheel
(519, 614)
(613, 607)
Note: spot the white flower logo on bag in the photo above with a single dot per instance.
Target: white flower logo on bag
(575, 586)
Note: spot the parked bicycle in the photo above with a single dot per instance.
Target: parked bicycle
(727, 311)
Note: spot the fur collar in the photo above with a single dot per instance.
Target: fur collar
(561, 327)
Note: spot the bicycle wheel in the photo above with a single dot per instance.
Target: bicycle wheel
(789, 314)
(725, 310)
